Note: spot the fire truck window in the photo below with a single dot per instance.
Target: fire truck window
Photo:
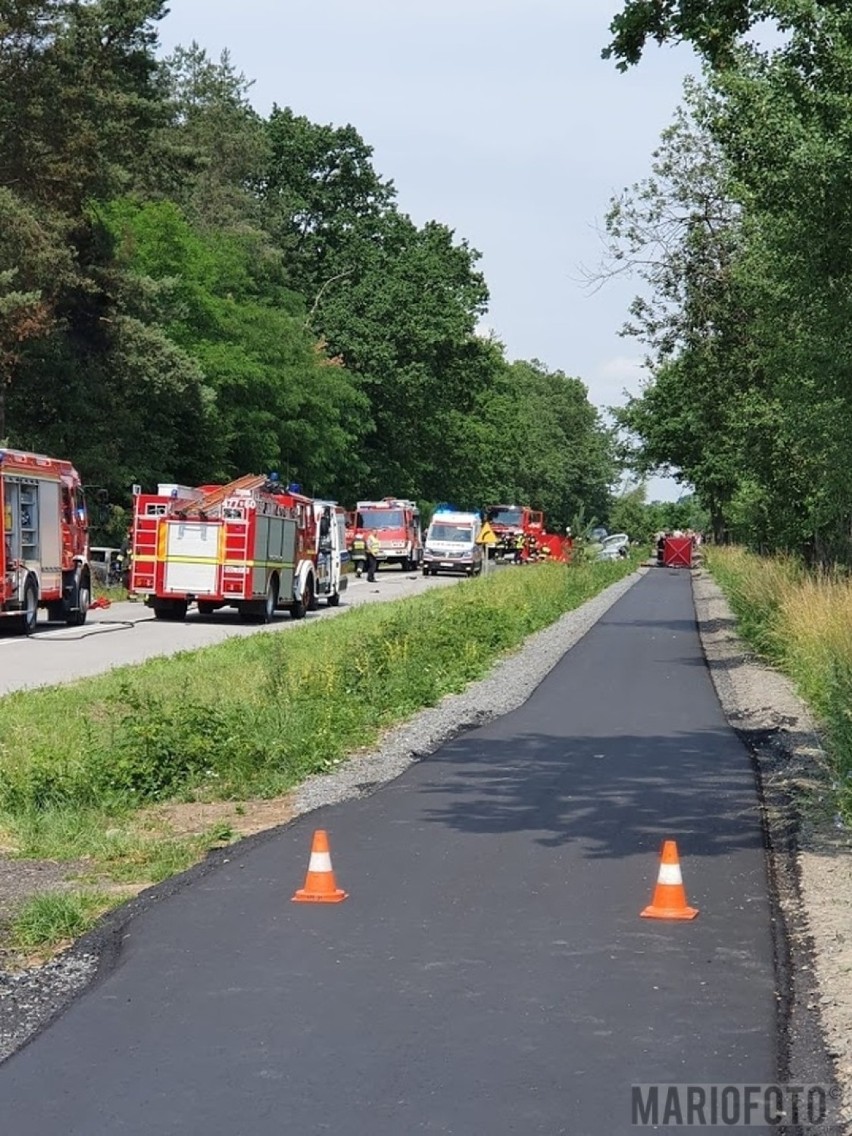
(381, 519)
(501, 516)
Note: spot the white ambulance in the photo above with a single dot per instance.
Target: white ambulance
(451, 546)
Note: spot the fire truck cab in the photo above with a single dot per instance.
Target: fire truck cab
(396, 523)
(521, 535)
(44, 555)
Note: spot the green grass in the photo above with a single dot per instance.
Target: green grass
(801, 623)
(253, 716)
(52, 918)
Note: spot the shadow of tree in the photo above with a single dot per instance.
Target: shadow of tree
(612, 795)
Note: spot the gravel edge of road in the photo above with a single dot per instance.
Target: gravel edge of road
(761, 705)
(30, 1000)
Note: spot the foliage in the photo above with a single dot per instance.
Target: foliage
(255, 715)
(802, 622)
(715, 28)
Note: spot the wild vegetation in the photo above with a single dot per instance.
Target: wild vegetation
(741, 238)
(801, 622)
(190, 290)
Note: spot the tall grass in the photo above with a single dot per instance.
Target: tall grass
(801, 622)
(49, 919)
(253, 716)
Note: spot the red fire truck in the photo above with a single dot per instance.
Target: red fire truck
(248, 544)
(44, 556)
(396, 523)
(511, 522)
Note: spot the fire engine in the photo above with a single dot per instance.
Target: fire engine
(509, 522)
(249, 544)
(397, 526)
(44, 556)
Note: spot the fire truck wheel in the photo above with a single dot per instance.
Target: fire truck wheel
(313, 601)
(173, 610)
(29, 618)
(269, 605)
(301, 607)
(334, 599)
(205, 608)
(81, 599)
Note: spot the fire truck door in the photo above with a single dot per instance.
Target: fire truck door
(193, 557)
(50, 532)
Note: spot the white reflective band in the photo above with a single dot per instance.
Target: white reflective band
(320, 862)
(670, 874)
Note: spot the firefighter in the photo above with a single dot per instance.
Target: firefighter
(520, 544)
(373, 548)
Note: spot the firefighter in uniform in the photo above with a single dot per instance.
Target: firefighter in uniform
(373, 548)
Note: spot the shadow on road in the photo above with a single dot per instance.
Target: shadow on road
(610, 794)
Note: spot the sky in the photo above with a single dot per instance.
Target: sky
(497, 118)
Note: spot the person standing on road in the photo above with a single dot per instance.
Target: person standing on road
(373, 547)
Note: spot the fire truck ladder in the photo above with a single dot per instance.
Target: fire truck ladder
(212, 500)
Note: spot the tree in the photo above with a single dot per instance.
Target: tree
(215, 147)
(715, 28)
(278, 401)
(682, 233)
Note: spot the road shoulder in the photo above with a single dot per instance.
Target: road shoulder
(809, 856)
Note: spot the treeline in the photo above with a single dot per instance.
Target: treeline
(743, 236)
(190, 291)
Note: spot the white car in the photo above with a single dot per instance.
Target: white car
(613, 547)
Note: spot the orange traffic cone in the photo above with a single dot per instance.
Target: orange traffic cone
(320, 886)
(669, 900)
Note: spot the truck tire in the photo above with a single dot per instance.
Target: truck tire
(333, 600)
(268, 605)
(261, 611)
(172, 610)
(28, 619)
(206, 608)
(300, 608)
(79, 600)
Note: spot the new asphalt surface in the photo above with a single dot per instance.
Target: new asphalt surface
(489, 973)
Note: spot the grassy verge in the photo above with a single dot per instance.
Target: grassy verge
(53, 918)
(250, 717)
(801, 623)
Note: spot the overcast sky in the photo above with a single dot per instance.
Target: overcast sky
(497, 118)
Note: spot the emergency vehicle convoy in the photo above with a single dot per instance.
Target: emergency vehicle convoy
(44, 556)
(251, 544)
(396, 523)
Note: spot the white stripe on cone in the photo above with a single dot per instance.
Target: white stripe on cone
(320, 862)
(670, 874)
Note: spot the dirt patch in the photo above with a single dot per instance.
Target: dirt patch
(243, 818)
(810, 852)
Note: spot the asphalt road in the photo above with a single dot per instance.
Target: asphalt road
(127, 633)
(489, 973)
